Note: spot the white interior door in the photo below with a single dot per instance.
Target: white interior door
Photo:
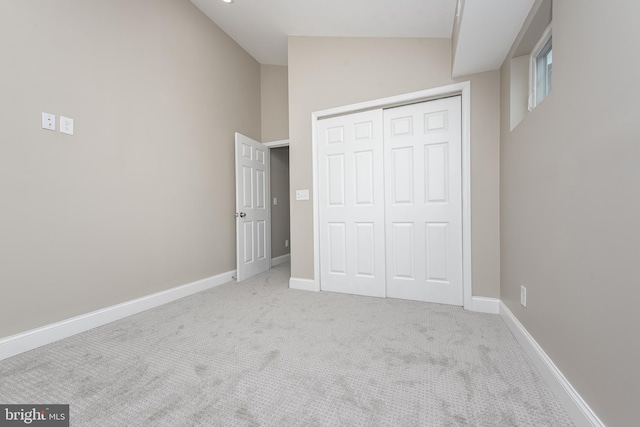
(423, 193)
(253, 228)
(351, 204)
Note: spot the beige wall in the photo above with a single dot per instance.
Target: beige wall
(331, 72)
(570, 228)
(141, 198)
(280, 190)
(274, 87)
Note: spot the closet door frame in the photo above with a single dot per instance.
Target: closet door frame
(463, 89)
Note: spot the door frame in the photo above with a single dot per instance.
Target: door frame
(464, 90)
(277, 144)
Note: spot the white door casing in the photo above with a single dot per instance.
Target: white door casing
(351, 204)
(423, 201)
(253, 231)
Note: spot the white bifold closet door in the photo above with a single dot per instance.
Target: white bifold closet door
(351, 201)
(423, 201)
(390, 202)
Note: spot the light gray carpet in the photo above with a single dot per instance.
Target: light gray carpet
(260, 354)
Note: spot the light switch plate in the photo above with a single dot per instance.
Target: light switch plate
(66, 125)
(302, 194)
(48, 121)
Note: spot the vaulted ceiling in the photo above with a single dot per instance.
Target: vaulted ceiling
(487, 28)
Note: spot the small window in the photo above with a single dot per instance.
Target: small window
(541, 69)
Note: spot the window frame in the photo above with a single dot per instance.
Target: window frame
(547, 37)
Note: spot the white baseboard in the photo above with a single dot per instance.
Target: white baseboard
(576, 407)
(303, 284)
(485, 305)
(280, 259)
(19, 343)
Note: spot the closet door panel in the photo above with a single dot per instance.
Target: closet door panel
(351, 204)
(422, 146)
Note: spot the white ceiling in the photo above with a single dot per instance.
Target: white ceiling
(261, 27)
(487, 30)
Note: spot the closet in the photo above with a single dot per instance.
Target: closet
(390, 202)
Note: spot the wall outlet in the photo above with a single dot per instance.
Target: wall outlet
(66, 125)
(275, 201)
(286, 243)
(523, 295)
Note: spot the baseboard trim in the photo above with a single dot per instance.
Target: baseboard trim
(485, 305)
(303, 284)
(280, 259)
(576, 407)
(25, 341)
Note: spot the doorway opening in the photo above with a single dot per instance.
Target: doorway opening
(280, 206)
(262, 190)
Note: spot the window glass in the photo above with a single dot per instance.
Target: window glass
(544, 69)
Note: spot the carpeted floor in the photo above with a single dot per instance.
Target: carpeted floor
(259, 354)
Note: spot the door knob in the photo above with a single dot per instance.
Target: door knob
(242, 214)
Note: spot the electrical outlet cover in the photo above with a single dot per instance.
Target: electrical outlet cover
(48, 121)
(66, 125)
